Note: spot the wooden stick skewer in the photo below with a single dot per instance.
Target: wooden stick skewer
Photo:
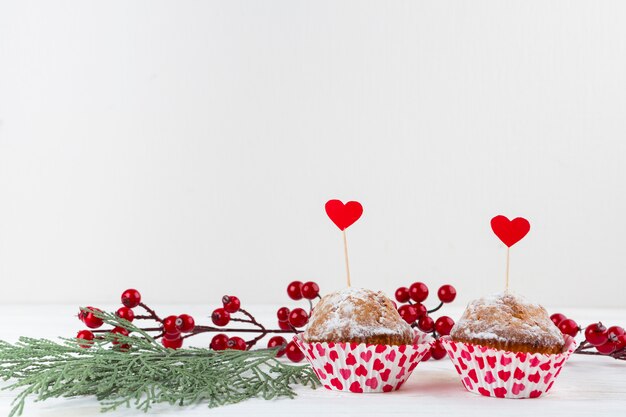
(506, 289)
(345, 251)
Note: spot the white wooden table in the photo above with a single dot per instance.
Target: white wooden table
(587, 386)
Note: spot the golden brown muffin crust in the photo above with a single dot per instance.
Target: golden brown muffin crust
(357, 315)
(508, 322)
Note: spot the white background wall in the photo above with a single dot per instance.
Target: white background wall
(187, 148)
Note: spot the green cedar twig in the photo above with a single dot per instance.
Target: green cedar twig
(146, 374)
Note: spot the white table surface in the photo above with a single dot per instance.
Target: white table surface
(586, 386)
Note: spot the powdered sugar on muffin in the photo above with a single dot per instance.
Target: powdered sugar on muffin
(508, 321)
(357, 315)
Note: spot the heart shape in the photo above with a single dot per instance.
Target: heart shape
(510, 231)
(345, 373)
(517, 388)
(336, 383)
(361, 371)
(472, 375)
(372, 383)
(504, 375)
(489, 377)
(343, 215)
(328, 368)
(499, 392)
(385, 374)
(480, 361)
(356, 387)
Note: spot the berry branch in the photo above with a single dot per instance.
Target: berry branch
(599, 340)
(417, 315)
(173, 330)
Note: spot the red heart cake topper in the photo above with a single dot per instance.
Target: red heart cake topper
(343, 215)
(510, 231)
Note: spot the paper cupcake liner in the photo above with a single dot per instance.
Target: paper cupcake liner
(362, 367)
(502, 374)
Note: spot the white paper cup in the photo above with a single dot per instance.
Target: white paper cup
(361, 367)
(502, 374)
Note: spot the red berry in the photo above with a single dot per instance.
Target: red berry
(119, 330)
(443, 325)
(418, 291)
(446, 293)
(185, 323)
(402, 295)
(437, 351)
(557, 318)
(236, 343)
(293, 352)
(310, 290)
(220, 317)
(231, 303)
(614, 332)
(219, 341)
(621, 341)
(277, 341)
(85, 335)
(131, 298)
(284, 325)
(569, 327)
(283, 314)
(125, 313)
(172, 343)
(421, 310)
(408, 312)
(426, 324)
(596, 334)
(298, 317)
(90, 319)
(294, 290)
(172, 336)
(607, 348)
(169, 325)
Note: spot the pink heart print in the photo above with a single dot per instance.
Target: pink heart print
(364, 368)
(508, 374)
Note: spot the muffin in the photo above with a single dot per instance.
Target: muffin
(356, 341)
(357, 315)
(509, 322)
(504, 346)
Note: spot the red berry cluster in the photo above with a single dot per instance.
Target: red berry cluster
(417, 315)
(223, 315)
(172, 330)
(606, 341)
(174, 327)
(294, 319)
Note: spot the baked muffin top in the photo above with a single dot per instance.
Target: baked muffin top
(357, 315)
(509, 320)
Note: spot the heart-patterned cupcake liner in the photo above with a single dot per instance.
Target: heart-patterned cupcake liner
(502, 374)
(362, 367)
